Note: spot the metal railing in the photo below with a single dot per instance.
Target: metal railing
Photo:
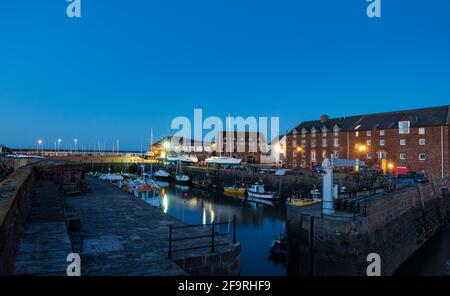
(213, 235)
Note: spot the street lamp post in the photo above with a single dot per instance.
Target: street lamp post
(41, 146)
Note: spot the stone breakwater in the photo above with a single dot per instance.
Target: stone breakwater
(395, 225)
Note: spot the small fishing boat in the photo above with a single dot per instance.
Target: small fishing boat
(257, 191)
(235, 190)
(302, 202)
(179, 177)
(162, 175)
(182, 178)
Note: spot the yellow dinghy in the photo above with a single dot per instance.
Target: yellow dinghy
(303, 202)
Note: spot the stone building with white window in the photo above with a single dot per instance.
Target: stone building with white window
(401, 141)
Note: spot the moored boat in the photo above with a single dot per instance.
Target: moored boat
(257, 191)
(223, 160)
(162, 175)
(235, 190)
(302, 202)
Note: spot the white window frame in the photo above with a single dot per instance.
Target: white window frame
(402, 142)
(402, 154)
(404, 127)
(369, 133)
(382, 142)
(424, 156)
(422, 141)
(369, 142)
(382, 132)
(421, 131)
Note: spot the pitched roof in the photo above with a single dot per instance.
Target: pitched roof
(418, 117)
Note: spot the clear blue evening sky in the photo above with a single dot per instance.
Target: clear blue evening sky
(128, 66)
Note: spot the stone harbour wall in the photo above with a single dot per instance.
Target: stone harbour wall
(396, 226)
(15, 202)
(225, 262)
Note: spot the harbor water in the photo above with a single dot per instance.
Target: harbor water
(257, 224)
(431, 259)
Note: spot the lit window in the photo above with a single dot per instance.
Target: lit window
(402, 142)
(357, 134)
(422, 142)
(369, 133)
(403, 127)
(403, 156)
(421, 131)
(382, 133)
(422, 156)
(313, 156)
(382, 142)
(369, 142)
(336, 142)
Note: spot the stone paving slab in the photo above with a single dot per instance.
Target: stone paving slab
(44, 245)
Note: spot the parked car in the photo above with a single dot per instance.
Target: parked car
(421, 178)
(318, 169)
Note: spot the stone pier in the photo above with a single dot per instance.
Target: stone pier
(116, 233)
(393, 225)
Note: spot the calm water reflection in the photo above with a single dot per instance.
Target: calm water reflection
(257, 224)
(431, 259)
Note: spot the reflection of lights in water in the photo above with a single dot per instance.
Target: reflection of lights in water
(204, 216)
(165, 204)
(193, 203)
(163, 191)
(211, 213)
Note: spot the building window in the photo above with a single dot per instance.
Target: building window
(421, 131)
(336, 130)
(303, 143)
(422, 142)
(336, 142)
(402, 156)
(382, 142)
(313, 132)
(313, 143)
(303, 133)
(403, 127)
(382, 155)
(382, 133)
(357, 134)
(369, 155)
(313, 156)
(369, 142)
(324, 142)
(336, 153)
(324, 154)
(369, 133)
(402, 142)
(422, 156)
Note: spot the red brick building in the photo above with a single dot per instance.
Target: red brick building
(416, 140)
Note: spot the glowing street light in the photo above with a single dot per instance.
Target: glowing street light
(361, 148)
(299, 149)
(76, 141)
(166, 145)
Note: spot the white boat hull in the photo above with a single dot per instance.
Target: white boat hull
(223, 160)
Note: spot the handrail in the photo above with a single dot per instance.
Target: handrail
(212, 235)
